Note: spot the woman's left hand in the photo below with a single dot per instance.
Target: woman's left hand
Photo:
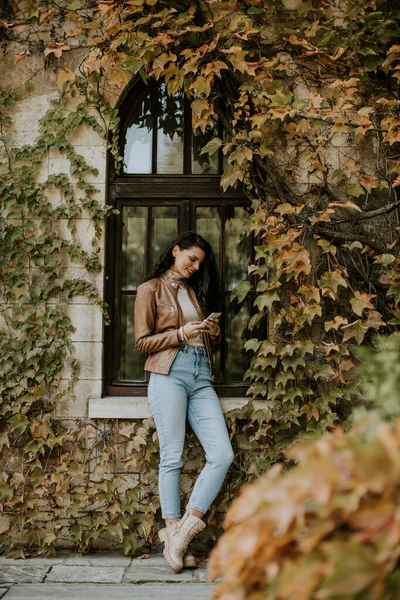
(211, 326)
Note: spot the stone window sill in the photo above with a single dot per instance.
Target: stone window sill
(136, 407)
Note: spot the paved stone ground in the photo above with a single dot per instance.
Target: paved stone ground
(100, 576)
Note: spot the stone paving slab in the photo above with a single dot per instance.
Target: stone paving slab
(156, 573)
(152, 559)
(71, 574)
(35, 560)
(100, 559)
(105, 592)
(22, 573)
(3, 591)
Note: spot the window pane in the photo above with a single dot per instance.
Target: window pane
(138, 141)
(132, 361)
(208, 224)
(204, 164)
(237, 245)
(133, 246)
(170, 133)
(236, 360)
(164, 230)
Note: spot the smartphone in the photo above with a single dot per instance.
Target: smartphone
(214, 315)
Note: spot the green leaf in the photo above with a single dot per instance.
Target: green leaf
(267, 300)
(252, 344)
(231, 176)
(324, 372)
(240, 291)
(212, 146)
(355, 190)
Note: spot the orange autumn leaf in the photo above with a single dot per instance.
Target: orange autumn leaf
(56, 49)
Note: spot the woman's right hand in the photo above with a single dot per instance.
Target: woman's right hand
(193, 329)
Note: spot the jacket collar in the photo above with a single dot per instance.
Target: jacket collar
(173, 279)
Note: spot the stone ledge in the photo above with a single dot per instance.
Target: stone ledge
(136, 407)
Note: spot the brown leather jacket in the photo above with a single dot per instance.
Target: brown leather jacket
(158, 316)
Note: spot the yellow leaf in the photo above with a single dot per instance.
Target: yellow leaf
(65, 76)
(360, 302)
(337, 322)
(119, 77)
(238, 60)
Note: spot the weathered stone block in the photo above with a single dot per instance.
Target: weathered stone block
(89, 355)
(88, 321)
(93, 574)
(22, 573)
(68, 407)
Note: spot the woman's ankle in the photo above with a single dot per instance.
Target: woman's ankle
(169, 522)
(196, 513)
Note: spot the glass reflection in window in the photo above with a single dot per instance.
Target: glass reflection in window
(169, 133)
(138, 141)
(134, 219)
(237, 245)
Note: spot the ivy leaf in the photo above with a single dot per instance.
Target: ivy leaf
(255, 320)
(330, 282)
(327, 247)
(240, 155)
(267, 348)
(212, 146)
(266, 300)
(394, 291)
(56, 49)
(119, 77)
(240, 291)
(295, 260)
(374, 320)
(384, 259)
(355, 189)
(292, 393)
(231, 176)
(288, 209)
(134, 64)
(257, 389)
(310, 292)
(337, 322)
(237, 57)
(395, 321)
(252, 344)
(4, 523)
(283, 377)
(324, 372)
(360, 302)
(345, 204)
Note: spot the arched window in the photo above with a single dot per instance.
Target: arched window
(166, 186)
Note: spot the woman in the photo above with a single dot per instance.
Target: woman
(172, 329)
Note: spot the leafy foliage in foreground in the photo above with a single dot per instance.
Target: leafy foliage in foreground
(330, 527)
(307, 94)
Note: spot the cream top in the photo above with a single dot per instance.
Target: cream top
(188, 310)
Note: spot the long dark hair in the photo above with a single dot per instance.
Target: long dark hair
(205, 281)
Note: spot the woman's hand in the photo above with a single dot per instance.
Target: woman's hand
(194, 328)
(211, 326)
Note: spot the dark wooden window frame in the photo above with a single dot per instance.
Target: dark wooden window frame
(187, 191)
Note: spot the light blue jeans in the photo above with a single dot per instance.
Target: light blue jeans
(187, 393)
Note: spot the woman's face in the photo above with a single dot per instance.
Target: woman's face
(187, 261)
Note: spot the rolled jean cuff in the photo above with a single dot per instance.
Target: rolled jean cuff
(202, 510)
(172, 516)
